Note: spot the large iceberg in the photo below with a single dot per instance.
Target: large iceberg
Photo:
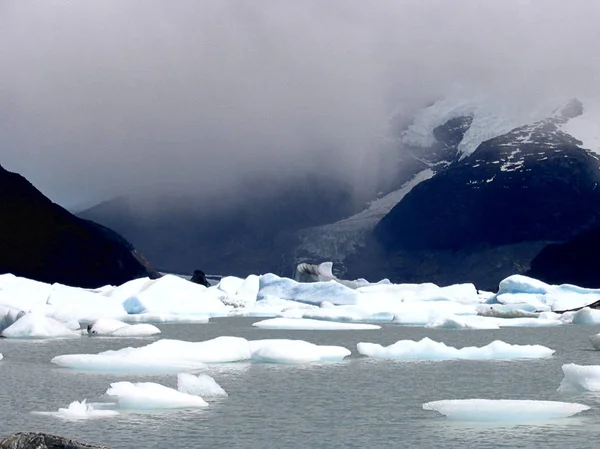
(80, 410)
(37, 325)
(161, 356)
(504, 410)
(295, 351)
(310, 293)
(173, 295)
(586, 316)
(427, 349)
(151, 396)
(580, 378)
(308, 324)
(114, 328)
(201, 385)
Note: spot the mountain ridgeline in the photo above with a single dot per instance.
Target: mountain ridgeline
(40, 240)
(445, 216)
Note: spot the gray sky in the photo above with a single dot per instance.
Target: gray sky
(105, 97)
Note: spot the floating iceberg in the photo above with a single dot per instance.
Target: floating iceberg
(37, 325)
(80, 410)
(201, 385)
(162, 356)
(506, 312)
(1, 356)
(8, 316)
(503, 410)
(459, 293)
(174, 295)
(427, 349)
(151, 396)
(311, 293)
(463, 322)
(595, 339)
(114, 328)
(580, 378)
(295, 351)
(308, 324)
(331, 312)
(586, 316)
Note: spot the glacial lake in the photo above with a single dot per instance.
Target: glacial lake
(359, 403)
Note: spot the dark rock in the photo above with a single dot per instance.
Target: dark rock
(34, 440)
(200, 278)
(573, 262)
(40, 240)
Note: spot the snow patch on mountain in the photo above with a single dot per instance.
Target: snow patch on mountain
(337, 240)
(586, 127)
(490, 119)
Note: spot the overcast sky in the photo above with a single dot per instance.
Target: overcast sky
(105, 97)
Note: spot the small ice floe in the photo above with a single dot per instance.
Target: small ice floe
(586, 316)
(201, 385)
(580, 378)
(595, 340)
(37, 325)
(295, 351)
(79, 411)
(308, 324)
(427, 349)
(108, 327)
(151, 396)
(503, 410)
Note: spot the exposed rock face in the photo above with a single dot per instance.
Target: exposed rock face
(199, 278)
(42, 241)
(33, 440)
(576, 261)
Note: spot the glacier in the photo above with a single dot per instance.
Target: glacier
(427, 349)
(504, 410)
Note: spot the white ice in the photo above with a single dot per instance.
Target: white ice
(201, 385)
(503, 410)
(1, 356)
(427, 349)
(173, 295)
(151, 396)
(580, 378)
(8, 315)
(161, 356)
(114, 328)
(36, 325)
(295, 351)
(310, 293)
(586, 316)
(595, 339)
(308, 324)
(79, 411)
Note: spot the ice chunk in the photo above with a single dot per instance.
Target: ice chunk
(173, 295)
(595, 339)
(81, 304)
(463, 322)
(8, 315)
(161, 356)
(307, 324)
(295, 351)
(152, 396)
(504, 409)
(80, 410)
(586, 316)
(36, 325)
(460, 293)
(163, 318)
(240, 292)
(115, 328)
(271, 306)
(427, 349)
(331, 312)
(1, 356)
(201, 385)
(580, 378)
(310, 293)
(22, 293)
(497, 312)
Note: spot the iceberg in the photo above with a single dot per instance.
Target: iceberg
(459, 293)
(1, 356)
(463, 322)
(37, 325)
(586, 316)
(201, 385)
(114, 328)
(295, 351)
(427, 349)
(173, 295)
(580, 378)
(8, 315)
(151, 396)
(504, 410)
(595, 339)
(80, 410)
(331, 312)
(308, 324)
(162, 356)
(311, 293)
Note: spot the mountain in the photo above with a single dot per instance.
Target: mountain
(489, 213)
(572, 262)
(42, 241)
(255, 234)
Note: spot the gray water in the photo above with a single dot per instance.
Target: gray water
(359, 403)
